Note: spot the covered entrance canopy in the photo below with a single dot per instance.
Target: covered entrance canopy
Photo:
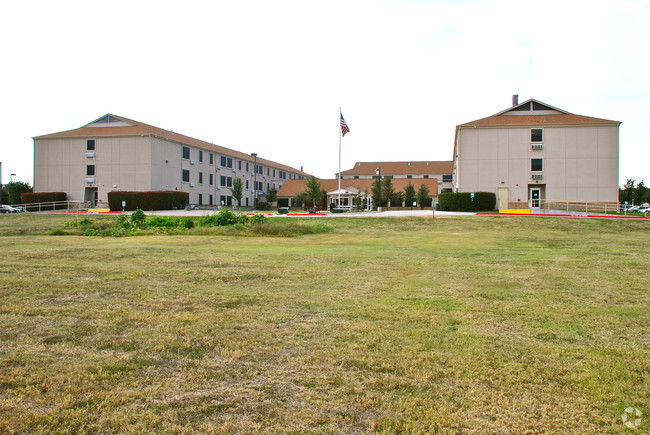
(350, 197)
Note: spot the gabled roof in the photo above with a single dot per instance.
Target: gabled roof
(111, 125)
(291, 187)
(400, 168)
(534, 112)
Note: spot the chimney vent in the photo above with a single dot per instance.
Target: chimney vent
(301, 169)
(515, 100)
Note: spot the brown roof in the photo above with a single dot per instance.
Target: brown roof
(520, 120)
(141, 129)
(400, 168)
(291, 187)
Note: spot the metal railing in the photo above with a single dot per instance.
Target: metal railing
(576, 206)
(56, 205)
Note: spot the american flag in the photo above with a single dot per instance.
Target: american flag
(344, 127)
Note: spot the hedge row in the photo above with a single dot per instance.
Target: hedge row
(462, 201)
(39, 197)
(155, 200)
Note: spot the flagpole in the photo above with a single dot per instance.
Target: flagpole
(339, 174)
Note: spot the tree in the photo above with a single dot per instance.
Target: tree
(423, 196)
(11, 192)
(313, 191)
(397, 199)
(387, 191)
(298, 198)
(272, 196)
(237, 190)
(376, 193)
(409, 194)
(640, 193)
(627, 192)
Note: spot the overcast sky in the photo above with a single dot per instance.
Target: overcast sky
(269, 76)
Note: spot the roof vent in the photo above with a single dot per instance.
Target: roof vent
(515, 100)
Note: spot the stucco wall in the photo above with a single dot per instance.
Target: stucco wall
(580, 163)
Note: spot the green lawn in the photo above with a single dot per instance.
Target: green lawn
(472, 324)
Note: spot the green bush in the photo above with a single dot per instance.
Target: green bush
(463, 201)
(138, 218)
(484, 201)
(263, 205)
(39, 197)
(153, 200)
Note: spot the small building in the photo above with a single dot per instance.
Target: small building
(533, 152)
(117, 153)
(411, 170)
(353, 191)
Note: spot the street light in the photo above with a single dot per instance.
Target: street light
(11, 177)
(255, 179)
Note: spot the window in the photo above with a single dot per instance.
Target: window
(246, 184)
(274, 173)
(186, 175)
(409, 176)
(356, 177)
(200, 199)
(447, 178)
(186, 153)
(426, 176)
(226, 162)
(259, 169)
(447, 190)
(201, 178)
(223, 180)
(90, 145)
(200, 156)
(226, 200)
(536, 165)
(211, 199)
(239, 165)
(246, 166)
(536, 135)
(211, 181)
(90, 170)
(267, 172)
(211, 160)
(229, 181)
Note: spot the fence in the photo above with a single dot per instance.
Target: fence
(579, 207)
(56, 205)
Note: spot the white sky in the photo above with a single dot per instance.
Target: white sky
(269, 76)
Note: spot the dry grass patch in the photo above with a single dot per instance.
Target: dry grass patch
(382, 325)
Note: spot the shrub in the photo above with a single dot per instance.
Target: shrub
(162, 221)
(263, 205)
(38, 197)
(154, 200)
(256, 219)
(138, 218)
(224, 218)
(484, 201)
(463, 201)
(187, 223)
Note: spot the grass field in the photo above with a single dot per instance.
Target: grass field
(418, 325)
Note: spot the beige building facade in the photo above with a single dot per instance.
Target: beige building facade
(533, 152)
(116, 153)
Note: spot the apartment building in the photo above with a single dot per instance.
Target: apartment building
(534, 152)
(117, 153)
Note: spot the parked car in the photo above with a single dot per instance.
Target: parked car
(9, 209)
(643, 209)
(633, 208)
